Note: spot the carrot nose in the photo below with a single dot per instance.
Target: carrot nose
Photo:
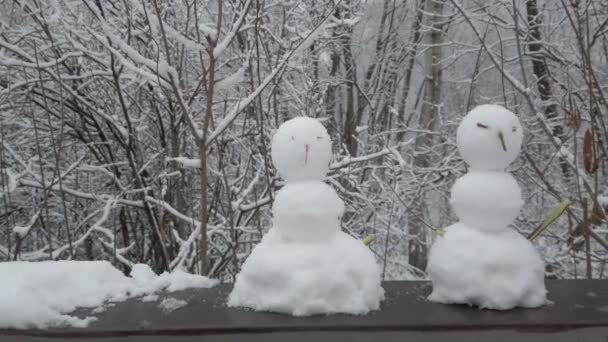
(306, 149)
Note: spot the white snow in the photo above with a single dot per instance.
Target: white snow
(11, 182)
(301, 150)
(603, 200)
(479, 137)
(486, 200)
(221, 46)
(493, 270)
(150, 298)
(185, 162)
(325, 58)
(172, 304)
(208, 31)
(360, 129)
(230, 81)
(99, 309)
(43, 294)
(305, 265)
(21, 231)
(178, 36)
(481, 260)
(336, 275)
(147, 281)
(246, 101)
(307, 211)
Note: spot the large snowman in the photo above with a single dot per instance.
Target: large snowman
(305, 264)
(480, 260)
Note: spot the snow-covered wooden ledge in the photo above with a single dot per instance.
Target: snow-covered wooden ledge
(579, 313)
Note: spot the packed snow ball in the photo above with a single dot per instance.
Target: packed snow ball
(337, 275)
(307, 211)
(301, 150)
(487, 201)
(491, 270)
(489, 137)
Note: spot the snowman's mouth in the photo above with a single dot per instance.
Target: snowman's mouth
(501, 137)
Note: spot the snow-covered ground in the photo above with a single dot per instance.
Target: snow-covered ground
(43, 294)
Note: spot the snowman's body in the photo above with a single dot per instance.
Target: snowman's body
(305, 264)
(480, 260)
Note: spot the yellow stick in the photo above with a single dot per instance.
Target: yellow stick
(557, 212)
(368, 240)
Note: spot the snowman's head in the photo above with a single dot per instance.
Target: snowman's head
(489, 137)
(301, 150)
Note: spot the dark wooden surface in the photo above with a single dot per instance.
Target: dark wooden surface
(579, 313)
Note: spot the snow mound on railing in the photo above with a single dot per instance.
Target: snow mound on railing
(43, 294)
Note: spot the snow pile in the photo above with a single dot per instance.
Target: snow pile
(305, 264)
(337, 275)
(493, 270)
(147, 281)
(480, 260)
(42, 294)
(172, 304)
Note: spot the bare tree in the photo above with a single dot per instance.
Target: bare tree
(429, 115)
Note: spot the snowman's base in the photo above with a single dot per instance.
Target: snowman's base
(486, 303)
(334, 275)
(491, 270)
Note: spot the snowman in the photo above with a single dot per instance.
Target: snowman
(305, 264)
(480, 260)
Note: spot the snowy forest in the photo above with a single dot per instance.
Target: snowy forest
(138, 131)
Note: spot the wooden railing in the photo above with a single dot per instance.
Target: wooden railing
(579, 312)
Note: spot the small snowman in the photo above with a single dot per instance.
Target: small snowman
(305, 264)
(480, 260)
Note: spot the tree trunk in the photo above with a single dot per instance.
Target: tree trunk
(539, 65)
(417, 248)
(350, 117)
(416, 28)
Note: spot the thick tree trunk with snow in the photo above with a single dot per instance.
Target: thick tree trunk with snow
(416, 35)
(350, 117)
(418, 221)
(539, 65)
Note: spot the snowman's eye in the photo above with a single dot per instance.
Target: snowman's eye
(479, 124)
(319, 138)
(293, 138)
(514, 129)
